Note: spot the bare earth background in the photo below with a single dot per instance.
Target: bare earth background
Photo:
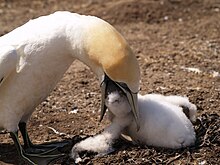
(168, 37)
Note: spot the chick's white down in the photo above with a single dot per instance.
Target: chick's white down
(162, 123)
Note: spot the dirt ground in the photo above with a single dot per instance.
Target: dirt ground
(177, 43)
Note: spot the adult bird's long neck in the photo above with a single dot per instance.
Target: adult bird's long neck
(107, 53)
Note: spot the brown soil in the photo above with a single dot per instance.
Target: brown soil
(166, 36)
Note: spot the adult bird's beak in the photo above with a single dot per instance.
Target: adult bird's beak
(103, 95)
(132, 98)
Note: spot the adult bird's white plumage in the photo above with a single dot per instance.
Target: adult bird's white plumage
(34, 57)
(8, 61)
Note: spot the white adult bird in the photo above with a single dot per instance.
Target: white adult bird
(34, 57)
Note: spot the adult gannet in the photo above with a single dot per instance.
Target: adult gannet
(34, 57)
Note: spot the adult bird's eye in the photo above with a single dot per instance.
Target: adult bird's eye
(1, 79)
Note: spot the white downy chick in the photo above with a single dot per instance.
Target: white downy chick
(162, 124)
(162, 121)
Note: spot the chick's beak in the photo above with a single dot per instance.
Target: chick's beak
(132, 99)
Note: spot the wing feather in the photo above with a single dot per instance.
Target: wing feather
(8, 61)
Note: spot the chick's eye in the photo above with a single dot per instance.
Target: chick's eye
(117, 101)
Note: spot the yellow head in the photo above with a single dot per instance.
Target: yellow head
(112, 59)
(109, 50)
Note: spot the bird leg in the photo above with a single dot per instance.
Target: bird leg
(41, 149)
(32, 159)
(14, 136)
(41, 154)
